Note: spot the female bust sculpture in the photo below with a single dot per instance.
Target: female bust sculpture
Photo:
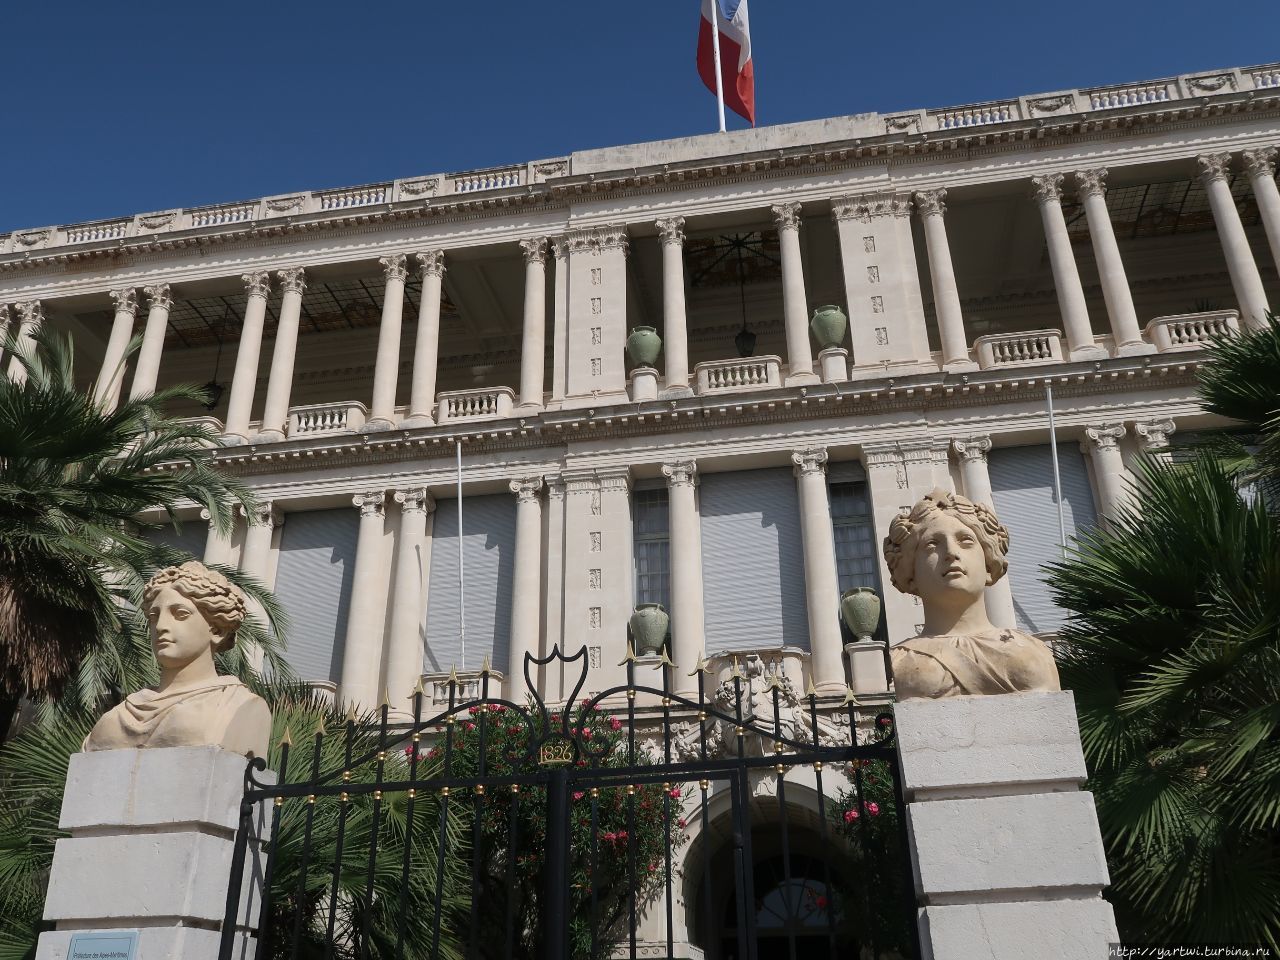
(193, 612)
(947, 551)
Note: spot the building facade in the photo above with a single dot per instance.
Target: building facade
(370, 345)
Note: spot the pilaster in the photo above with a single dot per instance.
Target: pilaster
(403, 654)
(595, 369)
(688, 612)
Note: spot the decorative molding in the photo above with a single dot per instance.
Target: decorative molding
(1105, 436)
(264, 513)
(1214, 166)
(671, 229)
(370, 504)
(158, 296)
(285, 204)
(931, 203)
(596, 240)
(431, 262)
(394, 267)
(526, 489)
(555, 486)
(904, 123)
(535, 249)
(156, 221)
(415, 500)
(1040, 105)
(615, 481)
(1154, 435)
(681, 473)
(786, 215)
(126, 300)
(1211, 84)
(1047, 188)
(552, 168)
(1260, 163)
(1091, 183)
(809, 460)
(870, 206)
(426, 186)
(293, 279)
(30, 313)
(560, 247)
(257, 284)
(972, 449)
(32, 238)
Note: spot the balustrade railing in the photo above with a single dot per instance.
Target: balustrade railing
(1027, 348)
(1266, 77)
(1104, 98)
(960, 117)
(89, 232)
(486, 180)
(751, 373)
(354, 197)
(324, 419)
(484, 404)
(1192, 331)
(227, 213)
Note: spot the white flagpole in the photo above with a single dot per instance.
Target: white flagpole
(715, 47)
(1057, 477)
(462, 604)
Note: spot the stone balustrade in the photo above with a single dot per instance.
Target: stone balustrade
(733, 376)
(468, 686)
(1024, 349)
(1265, 78)
(326, 419)
(224, 213)
(959, 117)
(486, 403)
(354, 197)
(91, 232)
(487, 180)
(1192, 331)
(1107, 98)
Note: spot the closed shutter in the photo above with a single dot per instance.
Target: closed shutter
(488, 550)
(189, 540)
(313, 585)
(752, 560)
(1022, 488)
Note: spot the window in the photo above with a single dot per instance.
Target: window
(653, 547)
(856, 562)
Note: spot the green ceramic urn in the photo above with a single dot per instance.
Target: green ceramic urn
(828, 326)
(860, 608)
(643, 346)
(649, 627)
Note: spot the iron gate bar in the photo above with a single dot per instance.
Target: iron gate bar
(415, 739)
(343, 810)
(781, 787)
(822, 819)
(264, 939)
(306, 841)
(373, 836)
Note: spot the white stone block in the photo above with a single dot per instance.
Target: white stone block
(981, 746)
(158, 943)
(1001, 847)
(1058, 929)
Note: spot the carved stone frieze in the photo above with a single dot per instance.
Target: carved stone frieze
(1060, 103)
(32, 238)
(286, 204)
(423, 187)
(903, 123)
(157, 221)
(870, 206)
(1212, 83)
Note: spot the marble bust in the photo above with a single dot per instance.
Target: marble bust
(947, 550)
(192, 612)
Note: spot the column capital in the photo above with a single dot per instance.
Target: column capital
(158, 295)
(555, 486)
(1047, 188)
(1091, 183)
(560, 247)
(126, 300)
(786, 215)
(257, 284)
(370, 504)
(972, 449)
(931, 203)
(394, 267)
(431, 262)
(265, 513)
(809, 460)
(29, 311)
(1104, 436)
(526, 489)
(1214, 166)
(595, 240)
(681, 473)
(4, 317)
(1260, 162)
(415, 500)
(866, 207)
(671, 229)
(292, 279)
(1154, 434)
(615, 480)
(535, 249)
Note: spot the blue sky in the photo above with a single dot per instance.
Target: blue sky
(113, 108)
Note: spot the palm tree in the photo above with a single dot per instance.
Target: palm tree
(1173, 652)
(74, 478)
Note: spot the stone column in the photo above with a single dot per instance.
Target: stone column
(217, 546)
(1261, 167)
(1245, 279)
(526, 587)
(4, 328)
(688, 621)
(244, 380)
(1102, 444)
(147, 370)
(412, 567)
(795, 303)
(422, 399)
(559, 320)
(821, 581)
(275, 411)
(1092, 187)
(533, 343)
(1047, 191)
(1006, 852)
(386, 367)
(946, 295)
(675, 331)
(972, 452)
(106, 393)
(255, 558)
(30, 316)
(362, 646)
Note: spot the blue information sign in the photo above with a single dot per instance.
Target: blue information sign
(104, 945)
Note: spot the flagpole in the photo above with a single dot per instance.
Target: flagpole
(715, 48)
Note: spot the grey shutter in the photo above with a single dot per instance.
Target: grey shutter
(752, 560)
(1022, 488)
(488, 549)
(190, 540)
(313, 584)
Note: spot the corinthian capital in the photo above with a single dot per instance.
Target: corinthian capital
(1260, 163)
(293, 279)
(30, 313)
(417, 500)
(158, 296)
(1047, 188)
(810, 460)
(1214, 166)
(370, 504)
(257, 284)
(680, 473)
(526, 488)
(671, 229)
(931, 203)
(535, 249)
(1105, 436)
(1091, 183)
(972, 448)
(431, 262)
(394, 267)
(786, 215)
(126, 300)
(871, 206)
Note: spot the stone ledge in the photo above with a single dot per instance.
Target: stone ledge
(1061, 929)
(158, 943)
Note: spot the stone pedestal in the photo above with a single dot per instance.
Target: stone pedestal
(150, 850)
(1005, 847)
(834, 364)
(644, 384)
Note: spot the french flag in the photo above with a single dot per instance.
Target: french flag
(737, 75)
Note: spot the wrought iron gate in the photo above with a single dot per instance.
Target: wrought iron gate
(488, 828)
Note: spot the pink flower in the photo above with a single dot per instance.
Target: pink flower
(615, 723)
(821, 903)
(410, 750)
(682, 823)
(850, 816)
(873, 808)
(469, 725)
(610, 836)
(578, 794)
(884, 721)
(586, 734)
(675, 792)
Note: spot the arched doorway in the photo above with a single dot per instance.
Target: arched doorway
(792, 903)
